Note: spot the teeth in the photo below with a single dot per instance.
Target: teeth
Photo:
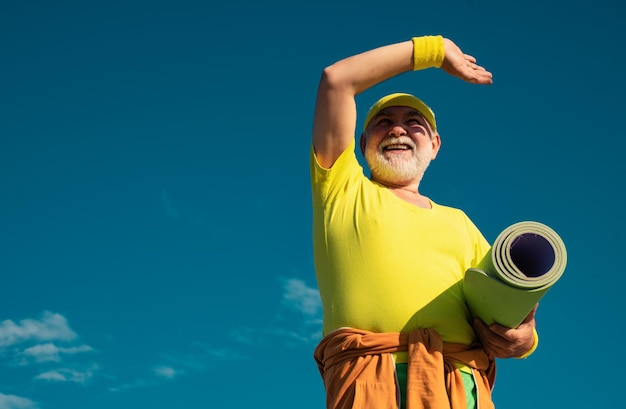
(397, 146)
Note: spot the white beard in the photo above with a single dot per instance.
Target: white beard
(395, 170)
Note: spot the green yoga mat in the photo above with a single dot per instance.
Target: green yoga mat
(524, 262)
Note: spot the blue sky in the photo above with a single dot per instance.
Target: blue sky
(155, 241)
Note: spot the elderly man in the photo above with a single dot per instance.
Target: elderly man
(390, 261)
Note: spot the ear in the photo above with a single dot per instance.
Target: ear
(436, 143)
(362, 143)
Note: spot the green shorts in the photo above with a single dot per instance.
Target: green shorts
(468, 382)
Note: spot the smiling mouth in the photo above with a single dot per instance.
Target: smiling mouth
(397, 147)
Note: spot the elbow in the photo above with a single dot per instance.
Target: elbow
(332, 79)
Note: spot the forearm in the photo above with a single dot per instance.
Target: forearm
(357, 73)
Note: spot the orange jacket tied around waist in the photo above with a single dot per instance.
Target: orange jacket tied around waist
(359, 372)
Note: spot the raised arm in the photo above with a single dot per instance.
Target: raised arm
(334, 122)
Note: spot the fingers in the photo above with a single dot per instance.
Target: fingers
(463, 66)
(482, 75)
(485, 333)
(475, 73)
(487, 338)
(467, 70)
(469, 58)
(490, 333)
(500, 330)
(506, 332)
(478, 74)
(500, 341)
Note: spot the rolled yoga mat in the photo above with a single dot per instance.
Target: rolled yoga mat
(525, 260)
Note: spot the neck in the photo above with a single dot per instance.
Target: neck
(409, 193)
(410, 189)
(413, 197)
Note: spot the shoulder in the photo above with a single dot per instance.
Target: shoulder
(344, 176)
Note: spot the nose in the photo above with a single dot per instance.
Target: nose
(397, 130)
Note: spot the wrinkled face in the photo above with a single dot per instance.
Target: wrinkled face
(398, 146)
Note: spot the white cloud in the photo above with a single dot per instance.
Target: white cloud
(52, 376)
(51, 327)
(300, 298)
(166, 372)
(16, 402)
(139, 383)
(159, 372)
(42, 341)
(201, 360)
(304, 299)
(50, 352)
(67, 375)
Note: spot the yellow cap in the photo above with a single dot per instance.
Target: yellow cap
(404, 100)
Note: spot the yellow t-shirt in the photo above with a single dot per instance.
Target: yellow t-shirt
(385, 265)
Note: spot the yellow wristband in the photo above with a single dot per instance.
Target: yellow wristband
(535, 344)
(428, 52)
